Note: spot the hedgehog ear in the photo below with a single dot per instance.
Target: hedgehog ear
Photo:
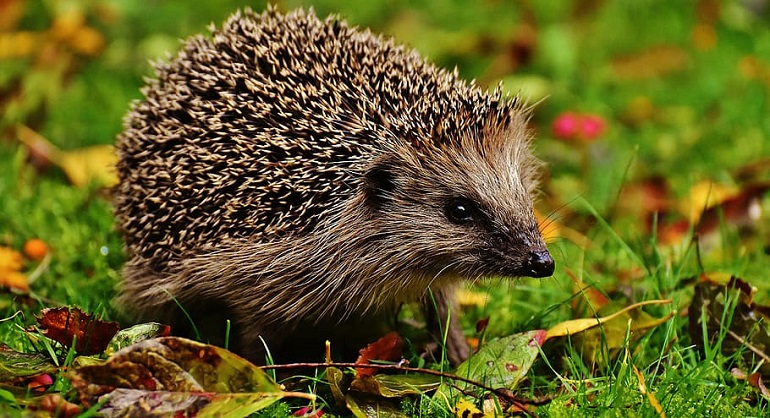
(378, 185)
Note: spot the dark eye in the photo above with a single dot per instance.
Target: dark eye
(460, 210)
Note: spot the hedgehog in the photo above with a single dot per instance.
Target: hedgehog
(299, 177)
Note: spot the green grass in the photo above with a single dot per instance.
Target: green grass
(708, 121)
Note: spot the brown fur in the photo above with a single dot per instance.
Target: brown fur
(333, 227)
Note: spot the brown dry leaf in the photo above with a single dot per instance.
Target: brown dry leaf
(655, 62)
(82, 166)
(63, 324)
(58, 406)
(746, 332)
(387, 348)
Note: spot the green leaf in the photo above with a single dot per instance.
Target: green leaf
(499, 364)
(137, 333)
(364, 406)
(15, 364)
(395, 386)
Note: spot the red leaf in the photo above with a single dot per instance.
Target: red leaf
(64, 324)
(388, 348)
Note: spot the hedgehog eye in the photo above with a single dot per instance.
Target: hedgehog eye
(461, 210)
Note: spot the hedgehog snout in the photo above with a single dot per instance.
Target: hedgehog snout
(538, 263)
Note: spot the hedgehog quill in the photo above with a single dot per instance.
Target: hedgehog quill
(296, 175)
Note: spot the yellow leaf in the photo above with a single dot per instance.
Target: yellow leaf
(67, 23)
(87, 41)
(10, 264)
(95, 163)
(703, 196)
(18, 44)
(466, 297)
(575, 326)
(463, 409)
(10, 259)
(14, 280)
(82, 166)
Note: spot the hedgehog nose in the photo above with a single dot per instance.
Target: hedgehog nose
(539, 263)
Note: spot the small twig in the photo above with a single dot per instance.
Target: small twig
(502, 393)
(748, 345)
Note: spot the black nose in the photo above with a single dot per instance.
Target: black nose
(539, 264)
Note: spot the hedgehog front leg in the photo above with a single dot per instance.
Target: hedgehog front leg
(441, 311)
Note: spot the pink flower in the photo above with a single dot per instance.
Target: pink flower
(578, 127)
(565, 126)
(592, 127)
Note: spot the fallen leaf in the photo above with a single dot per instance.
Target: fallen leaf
(82, 166)
(499, 364)
(95, 163)
(747, 331)
(755, 379)
(741, 210)
(465, 409)
(575, 326)
(387, 348)
(14, 364)
(10, 274)
(654, 62)
(169, 375)
(10, 259)
(395, 386)
(58, 406)
(135, 334)
(65, 324)
(467, 297)
(365, 406)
